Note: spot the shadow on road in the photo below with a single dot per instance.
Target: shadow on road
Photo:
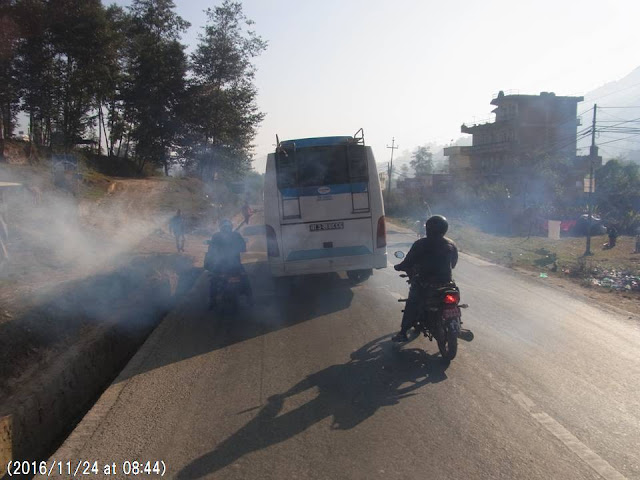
(199, 331)
(376, 376)
(466, 335)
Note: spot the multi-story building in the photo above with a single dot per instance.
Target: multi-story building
(459, 161)
(526, 129)
(435, 183)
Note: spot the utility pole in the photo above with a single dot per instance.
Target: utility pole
(392, 147)
(593, 153)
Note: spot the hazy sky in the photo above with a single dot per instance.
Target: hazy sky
(416, 70)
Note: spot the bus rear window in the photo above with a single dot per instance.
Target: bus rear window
(322, 166)
(326, 165)
(286, 168)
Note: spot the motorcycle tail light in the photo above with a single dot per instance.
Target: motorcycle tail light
(452, 298)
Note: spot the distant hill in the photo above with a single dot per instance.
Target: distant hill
(623, 93)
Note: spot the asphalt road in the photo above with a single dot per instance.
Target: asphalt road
(306, 384)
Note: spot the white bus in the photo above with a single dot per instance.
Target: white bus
(323, 208)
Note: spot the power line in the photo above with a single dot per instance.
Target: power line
(620, 139)
(626, 106)
(615, 91)
(612, 116)
(574, 119)
(623, 122)
(568, 141)
(622, 149)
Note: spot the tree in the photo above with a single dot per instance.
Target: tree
(617, 194)
(156, 76)
(422, 161)
(79, 38)
(35, 68)
(60, 61)
(221, 111)
(9, 97)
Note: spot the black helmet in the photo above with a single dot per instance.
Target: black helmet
(437, 225)
(225, 225)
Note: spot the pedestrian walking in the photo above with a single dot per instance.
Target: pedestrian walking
(246, 212)
(176, 226)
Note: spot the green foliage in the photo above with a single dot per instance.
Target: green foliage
(9, 96)
(253, 187)
(422, 161)
(220, 111)
(156, 75)
(121, 77)
(617, 194)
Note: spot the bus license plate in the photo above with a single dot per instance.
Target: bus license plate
(317, 227)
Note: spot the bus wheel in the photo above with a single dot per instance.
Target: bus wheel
(358, 276)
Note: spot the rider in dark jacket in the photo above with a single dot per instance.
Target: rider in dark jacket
(432, 258)
(223, 257)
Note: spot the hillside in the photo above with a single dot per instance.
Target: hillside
(618, 101)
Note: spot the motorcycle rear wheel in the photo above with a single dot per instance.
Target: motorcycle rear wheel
(448, 343)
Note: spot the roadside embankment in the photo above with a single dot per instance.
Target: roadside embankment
(58, 357)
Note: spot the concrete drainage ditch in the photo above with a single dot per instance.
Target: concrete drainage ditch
(111, 316)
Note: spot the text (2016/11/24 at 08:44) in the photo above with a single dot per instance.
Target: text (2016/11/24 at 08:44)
(84, 468)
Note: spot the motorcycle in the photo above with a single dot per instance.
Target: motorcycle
(227, 284)
(228, 287)
(440, 314)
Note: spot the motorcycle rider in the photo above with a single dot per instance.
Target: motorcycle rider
(223, 257)
(432, 258)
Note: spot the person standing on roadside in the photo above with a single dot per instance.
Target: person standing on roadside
(246, 212)
(612, 233)
(176, 226)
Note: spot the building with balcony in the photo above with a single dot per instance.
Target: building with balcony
(526, 129)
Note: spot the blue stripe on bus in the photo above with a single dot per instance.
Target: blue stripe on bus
(327, 252)
(360, 187)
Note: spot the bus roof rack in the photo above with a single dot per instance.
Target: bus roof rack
(320, 141)
(359, 139)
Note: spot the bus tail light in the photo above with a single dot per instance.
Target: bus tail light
(382, 233)
(272, 242)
